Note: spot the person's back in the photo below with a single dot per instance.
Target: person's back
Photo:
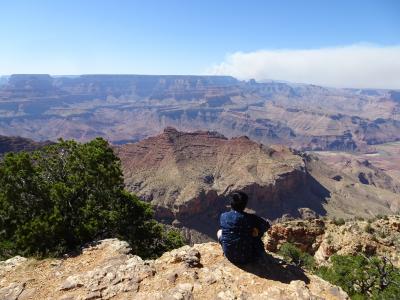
(241, 232)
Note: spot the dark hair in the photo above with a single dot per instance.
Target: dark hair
(238, 200)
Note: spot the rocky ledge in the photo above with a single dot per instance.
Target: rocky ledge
(322, 237)
(106, 270)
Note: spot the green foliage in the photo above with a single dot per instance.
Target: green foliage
(362, 277)
(67, 194)
(338, 222)
(296, 256)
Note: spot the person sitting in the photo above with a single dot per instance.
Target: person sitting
(241, 232)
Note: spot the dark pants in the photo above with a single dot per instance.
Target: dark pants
(252, 252)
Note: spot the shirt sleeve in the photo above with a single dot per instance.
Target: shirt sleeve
(261, 224)
(222, 221)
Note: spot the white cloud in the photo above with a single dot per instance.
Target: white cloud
(358, 66)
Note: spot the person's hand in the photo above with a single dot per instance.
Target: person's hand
(254, 232)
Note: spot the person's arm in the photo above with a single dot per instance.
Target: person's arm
(261, 224)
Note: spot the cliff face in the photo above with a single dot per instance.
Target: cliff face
(356, 187)
(16, 144)
(186, 172)
(107, 271)
(187, 176)
(101, 86)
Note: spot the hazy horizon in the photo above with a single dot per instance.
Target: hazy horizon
(341, 44)
(266, 80)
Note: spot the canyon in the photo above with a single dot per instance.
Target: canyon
(320, 164)
(187, 177)
(128, 108)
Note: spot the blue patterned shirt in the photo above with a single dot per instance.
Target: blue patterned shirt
(237, 242)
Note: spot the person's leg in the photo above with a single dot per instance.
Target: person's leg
(258, 247)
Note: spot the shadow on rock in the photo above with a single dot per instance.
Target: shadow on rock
(271, 268)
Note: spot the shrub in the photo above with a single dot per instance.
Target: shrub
(67, 194)
(339, 222)
(362, 277)
(382, 234)
(329, 239)
(294, 255)
(368, 228)
(382, 217)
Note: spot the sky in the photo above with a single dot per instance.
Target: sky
(333, 43)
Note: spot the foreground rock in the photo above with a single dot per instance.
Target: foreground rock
(107, 271)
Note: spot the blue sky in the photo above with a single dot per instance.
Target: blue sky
(179, 37)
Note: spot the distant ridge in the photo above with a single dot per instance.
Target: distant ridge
(132, 107)
(16, 144)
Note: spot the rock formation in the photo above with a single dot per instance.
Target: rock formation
(364, 168)
(131, 107)
(323, 238)
(186, 176)
(350, 194)
(16, 144)
(106, 270)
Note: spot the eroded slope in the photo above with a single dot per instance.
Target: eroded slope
(187, 176)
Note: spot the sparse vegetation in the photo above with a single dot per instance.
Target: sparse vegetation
(339, 221)
(381, 217)
(360, 276)
(368, 228)
(294, 255)
(382, 234)
(67, 194)
(329, 239)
